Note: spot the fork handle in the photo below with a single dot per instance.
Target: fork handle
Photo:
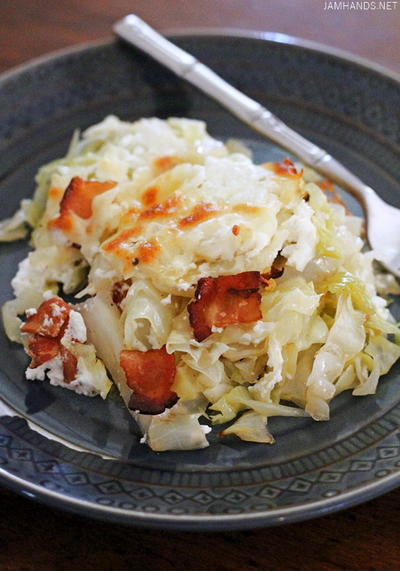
(135, 31)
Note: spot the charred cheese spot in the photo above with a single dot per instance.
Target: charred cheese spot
(63, 222)
(119, 242)
(149, 196)
(235, 229)
(121, 245)
(166, 208)
(200, 213)
(147, 252)
(247, 209)
(283, 168)
(55, 193)
(127, 216)
(168, 162)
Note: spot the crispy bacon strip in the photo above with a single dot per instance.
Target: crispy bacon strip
(46, 328)
(119, 291)
(277, 268)
(49, 319)
(41, 349)
(150, 375)
(70, 364)
(223, 301)
(78, 199)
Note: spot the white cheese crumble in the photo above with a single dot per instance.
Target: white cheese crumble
(82, 384)
(30, 311)
(47, 321)
(184, 286)
(57, 310)
(48, 294)
(100, 274)
(215, 329)
(205, 428)
(54, 369)
(76, 328)
(22, 278)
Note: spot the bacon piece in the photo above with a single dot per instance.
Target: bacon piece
(150, 375)
(70, 364)
(119, 291)
(79, 196)
(277, 268)
(41, 349)
(223, 301)
(49, 319)
(78, 199)
(46, 328)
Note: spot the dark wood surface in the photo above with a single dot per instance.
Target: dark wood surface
(36, 537)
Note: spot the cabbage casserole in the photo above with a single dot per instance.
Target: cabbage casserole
(208, 288)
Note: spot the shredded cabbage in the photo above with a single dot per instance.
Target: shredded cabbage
(182, 207)
(345, 340)
(177, 428)
(15, 228)
(251, 427)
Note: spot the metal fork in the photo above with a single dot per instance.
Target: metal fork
(383, 220)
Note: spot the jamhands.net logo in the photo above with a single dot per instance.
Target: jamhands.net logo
(360, 6)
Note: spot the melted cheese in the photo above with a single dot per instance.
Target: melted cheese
(182, 206)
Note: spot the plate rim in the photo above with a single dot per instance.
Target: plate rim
(201, 522)
(200, 31)
(223, 522)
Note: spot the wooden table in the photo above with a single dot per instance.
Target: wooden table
(35, 537)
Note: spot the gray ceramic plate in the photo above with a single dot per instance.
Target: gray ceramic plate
(344, 105)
